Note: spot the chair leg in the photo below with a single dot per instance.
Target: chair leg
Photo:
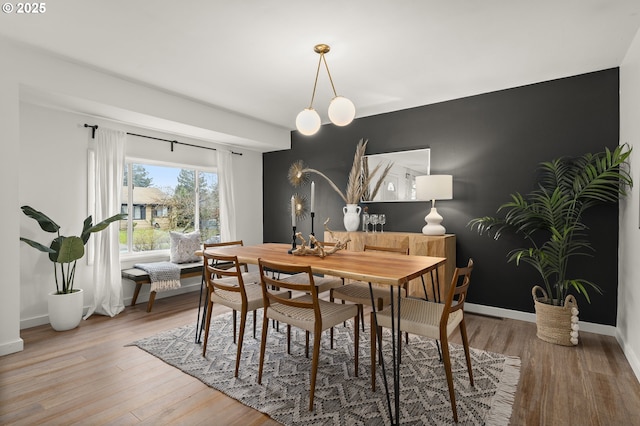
(465, 344)
(234, 326)
(361, 312)
(373, 353)
(306, 348)
(254, 324)
(206, 329)
(314, 367)
(447, 370)
(263, 343)
(356, 336)
(243, 322)
(331, 337)
(288, 339)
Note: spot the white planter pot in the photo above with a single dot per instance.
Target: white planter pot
(65, 310)
(351, 217)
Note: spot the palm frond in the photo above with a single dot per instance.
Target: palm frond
(550, 216)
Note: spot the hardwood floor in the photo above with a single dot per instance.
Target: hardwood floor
(88, 376)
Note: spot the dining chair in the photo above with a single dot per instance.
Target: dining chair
(307, 312)
(434, 320)
(227, 265)
(229, 287)
(249, 277)
(358, 292)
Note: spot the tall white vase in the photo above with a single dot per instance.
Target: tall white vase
(351, 217)
(65, 310)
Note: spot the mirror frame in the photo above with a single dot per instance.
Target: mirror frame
(400, 183)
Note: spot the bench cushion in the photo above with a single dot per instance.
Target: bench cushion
(140, 276)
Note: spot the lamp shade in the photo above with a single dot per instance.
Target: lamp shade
(308, 122)
(341, 111)
(434, 187)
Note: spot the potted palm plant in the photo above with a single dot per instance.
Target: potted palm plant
(66, 303)
(550, 220)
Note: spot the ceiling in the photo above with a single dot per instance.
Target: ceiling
(256, 57)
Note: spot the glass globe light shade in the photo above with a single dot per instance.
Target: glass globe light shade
(341, 111)
(308, 122)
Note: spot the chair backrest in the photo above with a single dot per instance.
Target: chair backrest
(306, 286)
(205, 246)
(397, 250)
(220, 278)
(457, 291)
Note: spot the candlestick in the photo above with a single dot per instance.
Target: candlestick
(293, 243)
(293, 212)
(313, 197)
(313, 215)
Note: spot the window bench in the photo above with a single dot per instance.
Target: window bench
(139, 277)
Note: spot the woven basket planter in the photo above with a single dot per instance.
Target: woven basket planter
(556, 324)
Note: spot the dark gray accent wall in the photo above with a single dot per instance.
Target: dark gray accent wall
(491, 144)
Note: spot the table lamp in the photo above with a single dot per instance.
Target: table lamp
(434, 187)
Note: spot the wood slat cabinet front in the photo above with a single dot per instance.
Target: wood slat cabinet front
(418, 244)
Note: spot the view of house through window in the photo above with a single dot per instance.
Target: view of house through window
(167, 199)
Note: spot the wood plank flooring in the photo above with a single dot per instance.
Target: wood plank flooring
(88, 376)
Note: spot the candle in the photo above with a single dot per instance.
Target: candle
(313, 197)
(293, 211)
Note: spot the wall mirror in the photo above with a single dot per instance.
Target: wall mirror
(400, 182)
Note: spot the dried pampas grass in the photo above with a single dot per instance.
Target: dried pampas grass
(357, 183)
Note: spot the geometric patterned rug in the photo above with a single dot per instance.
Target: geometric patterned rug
(341, 398)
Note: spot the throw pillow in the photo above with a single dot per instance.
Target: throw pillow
(184, 246)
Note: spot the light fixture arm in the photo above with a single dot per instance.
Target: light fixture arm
(315, 83)
(328, 73)
(321, 49)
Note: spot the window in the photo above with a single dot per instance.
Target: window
(160, 199)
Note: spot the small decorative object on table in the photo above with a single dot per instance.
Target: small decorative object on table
(317, 248)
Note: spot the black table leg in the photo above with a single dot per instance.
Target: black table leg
(200, 319)
(379, 337)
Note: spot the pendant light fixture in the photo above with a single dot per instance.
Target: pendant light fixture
(341, 110)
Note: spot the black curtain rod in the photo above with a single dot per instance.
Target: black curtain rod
(95, 126)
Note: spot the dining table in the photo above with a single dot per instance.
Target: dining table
(370, 267)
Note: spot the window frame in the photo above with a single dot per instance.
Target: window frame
(150, 255)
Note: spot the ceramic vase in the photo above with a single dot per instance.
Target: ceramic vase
(351, 217)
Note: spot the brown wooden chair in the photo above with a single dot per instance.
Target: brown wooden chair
(306, 312)
(434, 320)
(358, 292)
(227, 287)
(249, 277)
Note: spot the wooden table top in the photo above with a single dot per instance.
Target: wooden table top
(363, 266)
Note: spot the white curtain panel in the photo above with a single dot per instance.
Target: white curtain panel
(225, 192)
(108, 296)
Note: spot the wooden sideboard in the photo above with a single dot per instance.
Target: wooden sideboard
(418, 244)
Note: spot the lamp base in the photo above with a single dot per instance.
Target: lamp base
(433, 226)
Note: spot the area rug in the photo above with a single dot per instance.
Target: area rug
(341, 398)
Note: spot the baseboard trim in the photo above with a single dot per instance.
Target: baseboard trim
(589, 327)
(630, 354)
(606, 330)
(13, 346)
(142, 298)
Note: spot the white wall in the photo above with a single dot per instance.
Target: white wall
(53, 179)
(629, 276)
(46, 167)
(9, 277)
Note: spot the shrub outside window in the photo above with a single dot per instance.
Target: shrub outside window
(160, 199)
